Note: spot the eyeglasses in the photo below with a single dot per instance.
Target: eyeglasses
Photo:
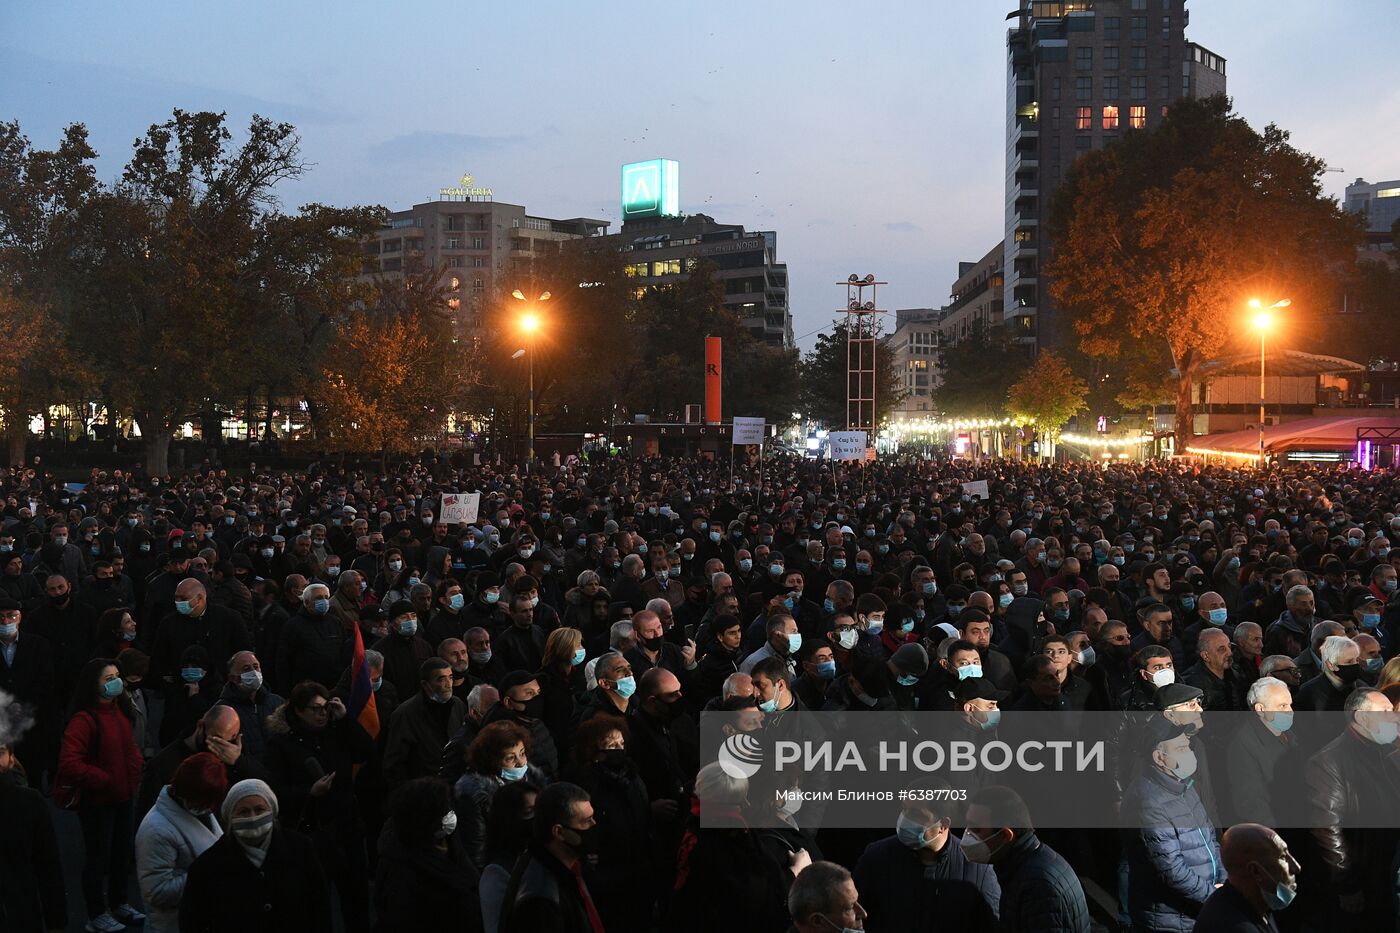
(319, 709)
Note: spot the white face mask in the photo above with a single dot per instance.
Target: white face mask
(1163, 677)
(976, 850)
(449, 825)
(847, 639)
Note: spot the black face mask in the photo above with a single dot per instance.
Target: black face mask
(614, 759)
(1349, 674)
(1118, 652)
(665, 710)
(59, 601)
(534, 708)
(653, 643)
(588, 840)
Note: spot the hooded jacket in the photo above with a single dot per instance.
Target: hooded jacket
(168, 842)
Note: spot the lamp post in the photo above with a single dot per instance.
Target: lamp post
(1263, 321)
(530, 325)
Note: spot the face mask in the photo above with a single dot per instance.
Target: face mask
(674, 571)
(395, 565)
(1219, 616)
(191, 675)
(769, 706)
(974, 849)
(625, 687)
(578, 657)
(1372, 665)
(11, 629)
(907, 680)
(1059, 615)
(929, 588)
(1087, 657)
(1005, 599)
(1053, 564)
(376, 684)
(534, 601)
(333, 570)
(641, 549)
(1281, 721)
(414, 581)
(265, 552)
(113, 688)
(1185, 766)
(1163, 677)
(826, 670)
(252, 681)
(60, 540)
(875, 626)
(794, 642)
(510, 775)
(910, 833)
(828, 606)
(408, 628)
(1349, 673)
(457, 601)
(252, 829)
(775, 569)
(1354, 542)
(183, 607)
(1388, 586)
(321, 606)
(987, 720)
(1020, 589)
(847, 639)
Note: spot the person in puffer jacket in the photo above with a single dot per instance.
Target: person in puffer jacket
(174, 833)
(1173, 855)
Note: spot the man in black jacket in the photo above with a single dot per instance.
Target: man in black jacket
(1260, 758)
(1349, 781)
(1039, 891)
(312, 645)
(1214, 674)
(1340, 673)
(219, 732)
(196, 621)
(1261, 879)
(521, 645)
(31, 872)
(546, 892)
(27, 675)
(70, 628)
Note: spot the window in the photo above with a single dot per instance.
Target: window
(1110, 56)
(1166, 56)
(1085, 119)
(666, 267)
(1137, 116)
(454, 303)
(1083, 88)
(1110, 117)
(1110, 88)
(478, 285)
(1165, 90)
(1138, 27)
(1139, 88)
(452, 242)
(1055, 88)
(1112, 25)
(1139, 4)
(454, 283)
(478, 242)
(1054, 118)
(1083, 142)
(455, 262)
(1084, 58)
(478, 262)
(1186, 86)
(1139, 60)
(1166, 27)
(635, 269)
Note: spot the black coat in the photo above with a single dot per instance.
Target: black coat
(900, 897)
(72, 633)
(1262, 768)
(310, 648)
(331, 820)
(520, 649)
(1320, 696)
(1227, 911)
(1039, 891)
(542, 896)
(623, 879)
(420, 889)
(31, 875)
(226, 893)
(724, 874)
(31, 678)
(417, 732)
(221, 631)
(402, 659)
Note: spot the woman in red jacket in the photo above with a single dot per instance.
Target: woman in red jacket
(100, 768)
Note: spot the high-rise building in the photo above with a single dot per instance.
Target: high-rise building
(1080, 74)
(914, 345)
(474, 239)
(1379, 204)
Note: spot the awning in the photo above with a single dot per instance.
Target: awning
(1332, 432)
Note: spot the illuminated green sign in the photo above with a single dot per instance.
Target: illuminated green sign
(651, 189)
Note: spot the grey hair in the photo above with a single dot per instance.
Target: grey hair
(657, 604)
(1333, 646)
(1294, 593)
(716, 786)
(308, 597)
(1244, 630)
(373, 658)
(587, 577)
(1259, 688)
(474, 701)
(606, 664)
(618, 632)
(632, 562)
(1271, 663)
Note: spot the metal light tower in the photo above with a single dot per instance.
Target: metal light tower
(862, 330)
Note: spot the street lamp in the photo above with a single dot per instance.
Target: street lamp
(529, 326)
(1263, 322)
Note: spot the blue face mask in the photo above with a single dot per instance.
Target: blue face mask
(578, 657)
(884, 549)
(456, 601)
(1373, 664)
(828, 606)
(769, 706)
(376, 684)
(715, 536)
(794, 642)
(191, 675)
(775, 569)
(862, 567)
(968, 671)
(1060, 615)
(907, 626)
(114, 687)
(1219, 616)
(745, 565)
(789, 602)
(492, 597)
(954, 609)
(1118, 560)
(626, 686)
(929, 588)
(408, 628)
(510, 775)
(988, 720)
(826, 670)
(1188, 602)
(907, 680)
(1005, 600)
(1371, 620)
(183, 607)
(321, 606)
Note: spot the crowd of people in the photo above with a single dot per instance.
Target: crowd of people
(301, 700)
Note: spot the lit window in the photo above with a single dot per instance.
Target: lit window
(1085, 118)
(455, 283)
(1388, 193)
(1137, 116)
(1110, 117)
(454, 303)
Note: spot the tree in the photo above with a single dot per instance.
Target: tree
(1164, 236)
(761, 381)
(44, 205)
(824, 380)
(976, 373)
(1048, 394)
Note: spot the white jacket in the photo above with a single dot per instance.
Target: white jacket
(169, 840)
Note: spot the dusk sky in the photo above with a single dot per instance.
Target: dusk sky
(869, 136)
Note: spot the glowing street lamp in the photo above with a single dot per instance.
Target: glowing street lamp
(530, 326)
(1263, 322)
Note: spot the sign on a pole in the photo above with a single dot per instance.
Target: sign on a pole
(748, 431)
(847, 445)
(460, 508)
(977, 488)
(870, 456)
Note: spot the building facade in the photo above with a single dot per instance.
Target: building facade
(475, 240)
(914, 344)
(1379, 204)
(663, 249)
(1080, 74)
(976, 297)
